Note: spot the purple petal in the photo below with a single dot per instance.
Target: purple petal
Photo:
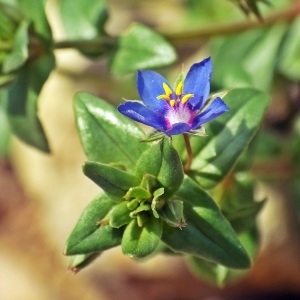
(138, 112)
(149, 86)
(197, 82)
(215, 109)
(178, 128)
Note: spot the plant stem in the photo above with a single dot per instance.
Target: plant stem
(189, 153)
(97, 43)
(285, 15)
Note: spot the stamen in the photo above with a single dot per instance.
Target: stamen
(164, 97)
(172, 102)
(167, 89)
(179, 87)
(186, 97)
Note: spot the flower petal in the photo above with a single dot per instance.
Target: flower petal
(138, 112)
(197, 82)
(178, 128)
(215, 109)
(150, 85)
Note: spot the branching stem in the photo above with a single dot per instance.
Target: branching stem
(285, 15)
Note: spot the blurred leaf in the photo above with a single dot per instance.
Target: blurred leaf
(89, 235)
(218, 274)
(139, 242)
(207, 234)
(205, 13)
(210, 272)
(5, 130)
(83, 19)
(10, 17)
(238, 203)
(228, 136)
(22, 98)
(19, 52)
(35, 12)
(106, 135)
(140, 47)
(113, 181)
(256, 52)
(251, 6)
(163, 162)
(289, 58)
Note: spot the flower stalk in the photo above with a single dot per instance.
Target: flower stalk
(189, 153)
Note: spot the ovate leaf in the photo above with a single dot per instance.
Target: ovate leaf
(139, 242)
(22, 101)
(140, 47)
(256, 52)
(228, 136)
(83, 19)
(106, 135)
(289, 59)
(163, 162)
(207, 234)
(19, 52)
(113, 181)
(35, 12)
(89, 235)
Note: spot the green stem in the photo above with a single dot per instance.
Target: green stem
(98, 43)
(189, 153)
(286, 15)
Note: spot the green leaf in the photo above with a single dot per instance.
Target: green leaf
(140, 47)
(289, 60)
(208, 234)
(256, 52)
(218, 274)
(172, 213)
(113, 181)
(208, 271)
(137, 192)
(238, 202)
(89, 235)
(106, 135)
(22, 98)
(228, 136)
(19, 52)
(80, 261)
(163, 162)
(5, 132)
(139, 242)
(119, 215)
(10, 17)
(83, 19)
(35, 12)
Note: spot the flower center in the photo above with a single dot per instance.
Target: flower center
(178, 112)
(177, 97)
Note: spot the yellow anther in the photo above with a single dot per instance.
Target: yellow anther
(163, 97)
(186, 97)
(179, 87)
(167, 89)
(172, 102)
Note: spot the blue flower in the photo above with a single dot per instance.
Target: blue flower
(183, 110)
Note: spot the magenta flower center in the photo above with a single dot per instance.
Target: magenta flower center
(178, 111)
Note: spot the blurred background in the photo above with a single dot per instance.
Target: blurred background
(42, 195)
